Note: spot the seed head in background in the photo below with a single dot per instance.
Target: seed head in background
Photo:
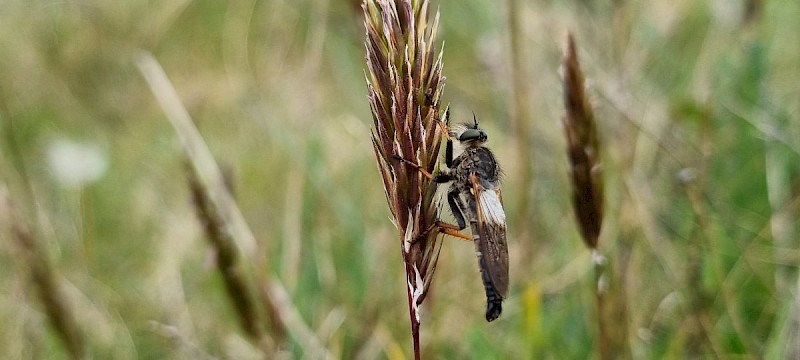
(587, 183)
(582, 149)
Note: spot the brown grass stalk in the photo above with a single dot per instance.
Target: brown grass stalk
(282, 315)
(58, 310)
(405, 83)
(227, 258)
(586, 176)
(262, 303)
(582, 148)
(224, 224)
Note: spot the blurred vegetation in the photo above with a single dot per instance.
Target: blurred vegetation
(697, 104)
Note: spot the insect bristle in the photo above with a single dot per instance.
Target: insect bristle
(458, 129)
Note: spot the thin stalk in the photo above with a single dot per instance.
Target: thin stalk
(228, 231)
(701, 336)
(414, 320)
(697, 334)
(521, 122)
(699, 297)
(601, 289)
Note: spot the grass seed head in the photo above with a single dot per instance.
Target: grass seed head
(582, 148)
(404, 81)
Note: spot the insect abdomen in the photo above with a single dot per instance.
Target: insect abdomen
(494, 303)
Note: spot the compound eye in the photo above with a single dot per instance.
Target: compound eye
(470, 134)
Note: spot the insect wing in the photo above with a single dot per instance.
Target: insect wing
(492, 230)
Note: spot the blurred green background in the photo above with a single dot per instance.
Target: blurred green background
(697, 103)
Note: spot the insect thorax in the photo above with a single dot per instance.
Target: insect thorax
(480, 161)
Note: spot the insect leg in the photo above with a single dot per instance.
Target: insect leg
(452, 230)
(444, 228)
(440, 178)
(445, 127)
(456, 206)
(448, 153)
(443, 177)
(448, 150)
(414, 165)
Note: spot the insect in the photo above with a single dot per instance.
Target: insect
(475, 176)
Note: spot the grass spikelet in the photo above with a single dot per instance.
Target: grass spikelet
(59, 312)
(582, 148)
(587, 185)
(228, 260)
(405, 84)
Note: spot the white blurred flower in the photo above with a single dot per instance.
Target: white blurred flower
(76, 164)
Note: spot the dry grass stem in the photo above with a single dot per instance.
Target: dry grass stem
(214, 203)
(59, 312)
(224, 223)
(700, 336)
(183, 345)
(405, 84)
(521, 121)
(227, 258)
(208, 172)
(291, 320)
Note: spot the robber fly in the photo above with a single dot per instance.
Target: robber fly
(475, 176)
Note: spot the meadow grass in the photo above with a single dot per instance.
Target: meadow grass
(695, 103)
